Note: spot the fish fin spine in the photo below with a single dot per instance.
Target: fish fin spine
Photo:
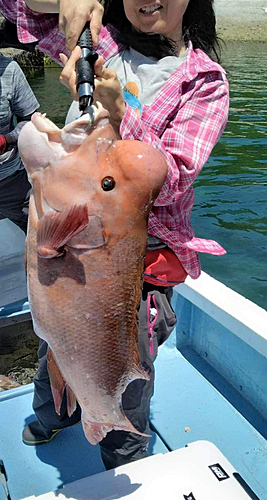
(71, 401)
(56, 380)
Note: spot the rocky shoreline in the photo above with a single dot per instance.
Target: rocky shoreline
(28, 61)
(229, 30)
(242, 20)
(238, 21)
(242, 31)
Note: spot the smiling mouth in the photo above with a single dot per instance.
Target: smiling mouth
(150, 9)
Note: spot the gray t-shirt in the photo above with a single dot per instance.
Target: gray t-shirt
(141, 78)
(16, 99)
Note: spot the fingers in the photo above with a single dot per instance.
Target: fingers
(96, 23)
(63, 58)
(74, 15)
(73, 31)
(102, 72)
(68, 75)
(98, 66)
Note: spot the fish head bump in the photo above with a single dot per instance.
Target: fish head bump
(84, 163)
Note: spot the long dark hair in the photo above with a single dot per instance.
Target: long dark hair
(199, 26)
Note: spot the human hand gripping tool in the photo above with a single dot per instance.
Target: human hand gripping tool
(85, 69)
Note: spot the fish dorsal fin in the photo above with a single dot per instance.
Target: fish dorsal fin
(56, 380)
(57, 228)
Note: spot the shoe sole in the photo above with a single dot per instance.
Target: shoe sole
(44, 441)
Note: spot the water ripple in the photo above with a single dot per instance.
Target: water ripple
(231, 192)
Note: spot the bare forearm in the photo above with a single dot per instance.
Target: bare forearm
(12, 137)
(46, 6)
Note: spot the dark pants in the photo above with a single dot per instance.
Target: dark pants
(14, 198)
(118, 447)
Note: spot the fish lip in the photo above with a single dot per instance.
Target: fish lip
(99, 114)
(89, 121)
(43, 124)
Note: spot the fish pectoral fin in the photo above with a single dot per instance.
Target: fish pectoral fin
(56, 380)
(71, 401)
(138, 372)
(91, 237)
(55, 229)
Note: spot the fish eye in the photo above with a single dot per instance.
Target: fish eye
(108, 183)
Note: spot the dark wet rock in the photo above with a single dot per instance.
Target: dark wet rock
(18, 352)
(25, 55)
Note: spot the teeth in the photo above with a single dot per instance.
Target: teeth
(150, 8)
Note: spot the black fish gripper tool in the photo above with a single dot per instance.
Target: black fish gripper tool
(85, 69)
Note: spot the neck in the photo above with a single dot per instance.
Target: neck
(152, 45)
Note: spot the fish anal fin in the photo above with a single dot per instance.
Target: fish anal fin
(55, 229)
(71, 401)
(56, 380)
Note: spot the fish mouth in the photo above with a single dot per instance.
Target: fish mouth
(43, 124)
(74, 133)
(96, 116)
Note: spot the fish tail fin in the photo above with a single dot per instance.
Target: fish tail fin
(57, 228)
(58, 385)
(138, 371)
(127, 426)
(95, 431)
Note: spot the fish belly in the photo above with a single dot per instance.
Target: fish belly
(85, 308)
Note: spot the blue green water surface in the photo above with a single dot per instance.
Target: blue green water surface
(231, 192)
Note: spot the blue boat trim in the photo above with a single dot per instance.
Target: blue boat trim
(16, 393)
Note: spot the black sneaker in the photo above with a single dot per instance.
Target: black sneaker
(34, 434)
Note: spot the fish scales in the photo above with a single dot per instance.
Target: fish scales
(112, 315)
(85, 261)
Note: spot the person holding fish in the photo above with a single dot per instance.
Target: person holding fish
(156, 78)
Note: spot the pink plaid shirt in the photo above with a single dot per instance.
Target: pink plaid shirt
(184, 122)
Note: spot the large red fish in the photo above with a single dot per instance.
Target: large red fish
(85, 251)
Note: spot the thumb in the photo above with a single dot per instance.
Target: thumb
(99, 67)
(101, 71)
